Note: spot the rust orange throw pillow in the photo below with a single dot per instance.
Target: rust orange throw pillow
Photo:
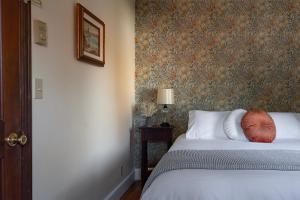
(258, 126)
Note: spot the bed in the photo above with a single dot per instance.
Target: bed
(226, 184)
(273, 182)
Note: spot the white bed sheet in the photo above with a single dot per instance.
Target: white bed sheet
(202, 184)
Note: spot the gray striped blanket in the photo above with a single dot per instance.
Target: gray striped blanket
(284, 160)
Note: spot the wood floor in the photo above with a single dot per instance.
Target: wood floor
(134, 192)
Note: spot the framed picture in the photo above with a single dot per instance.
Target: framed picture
(90, 37)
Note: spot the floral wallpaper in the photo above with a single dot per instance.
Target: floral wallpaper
(217, 55)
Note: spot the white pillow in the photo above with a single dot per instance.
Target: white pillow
(232, 125)
(206, 124)
(287, 125)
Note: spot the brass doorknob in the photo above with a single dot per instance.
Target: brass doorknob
(13, 139)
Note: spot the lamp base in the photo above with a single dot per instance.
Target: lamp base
(165, 124)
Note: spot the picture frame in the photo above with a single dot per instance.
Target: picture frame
(90, 37)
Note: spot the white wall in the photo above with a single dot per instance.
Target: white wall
(81, 128)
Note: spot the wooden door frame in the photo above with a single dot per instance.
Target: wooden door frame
(26, 99)
(25, 94)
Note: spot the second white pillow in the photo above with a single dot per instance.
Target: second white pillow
(287, 125)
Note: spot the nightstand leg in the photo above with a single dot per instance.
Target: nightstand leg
(144, 166)
(169, 144)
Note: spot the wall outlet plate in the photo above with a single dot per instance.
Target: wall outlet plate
(122, 171)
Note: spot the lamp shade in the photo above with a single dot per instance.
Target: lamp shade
(165, 96)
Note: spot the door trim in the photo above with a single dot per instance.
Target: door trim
(26, 99)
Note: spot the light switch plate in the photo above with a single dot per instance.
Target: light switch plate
(40, 32)
(38, 90)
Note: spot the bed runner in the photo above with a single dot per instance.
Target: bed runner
(284, 160)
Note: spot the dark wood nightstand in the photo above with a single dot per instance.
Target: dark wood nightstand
(152, 134)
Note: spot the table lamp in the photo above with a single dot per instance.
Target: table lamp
(165, 97)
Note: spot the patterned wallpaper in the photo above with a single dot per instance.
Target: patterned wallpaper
(217, 55)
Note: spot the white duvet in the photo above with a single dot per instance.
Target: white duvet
(203, 184)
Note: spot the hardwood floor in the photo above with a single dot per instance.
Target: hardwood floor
(134, 192)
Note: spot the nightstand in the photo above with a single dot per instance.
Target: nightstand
(152, 134)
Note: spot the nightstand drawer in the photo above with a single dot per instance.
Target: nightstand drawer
(157, 134)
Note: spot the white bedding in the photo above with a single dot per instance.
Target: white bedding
(192, 184)
(223, 144)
